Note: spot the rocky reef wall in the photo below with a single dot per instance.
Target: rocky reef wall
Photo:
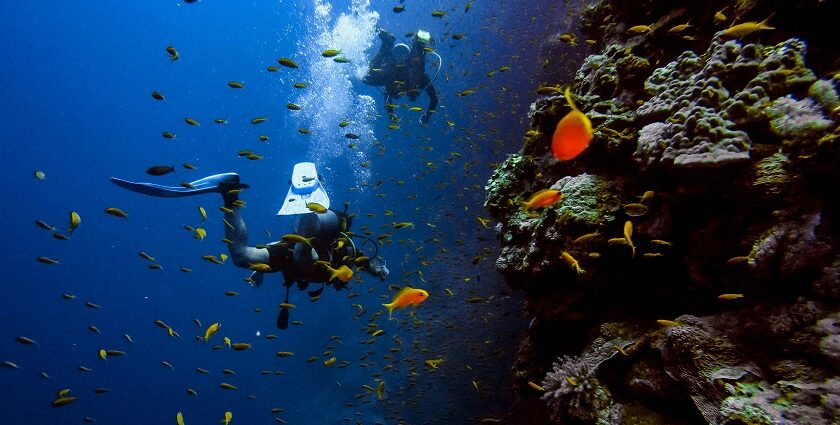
(714, 160)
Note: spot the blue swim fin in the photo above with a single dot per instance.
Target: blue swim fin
(216, 183)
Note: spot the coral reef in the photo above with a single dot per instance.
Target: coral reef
(704, 202)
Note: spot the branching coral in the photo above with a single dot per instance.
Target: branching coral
(570, 389)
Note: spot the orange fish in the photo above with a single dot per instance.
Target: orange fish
(406, 297)
(543, 198)
(572, 134)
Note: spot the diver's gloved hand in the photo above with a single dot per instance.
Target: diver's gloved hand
(377, 268)
(386, 37)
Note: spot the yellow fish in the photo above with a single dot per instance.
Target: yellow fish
(75, 220)
(200, 233)
(571, 261)
(203, 214)
(261, 267)
(293, 239)
(628, 234)
(406, 297)
(316, 207)
(433, 363)
(535, 386)
(746, 28)
(212, 329)
(228, 417)
(173, 54)
(639, 29)
(720, 17)
(240, 346)
(116, 212)
(343, 273)
(179, 418)
(287, 62)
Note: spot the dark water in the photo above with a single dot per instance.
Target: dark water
(76, 104)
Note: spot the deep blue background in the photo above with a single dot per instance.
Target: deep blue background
(77, 78)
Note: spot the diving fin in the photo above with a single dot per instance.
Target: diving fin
(305, 188)
(216, 183)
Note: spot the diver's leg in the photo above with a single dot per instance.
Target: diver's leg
(235, 231)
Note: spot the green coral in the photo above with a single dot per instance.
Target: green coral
(796, 119)
(588, 199)
(749, 415)
(771, 175)
(505, 178)
(824, 93)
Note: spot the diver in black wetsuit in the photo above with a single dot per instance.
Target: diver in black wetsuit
(332, 245)
(402, 70)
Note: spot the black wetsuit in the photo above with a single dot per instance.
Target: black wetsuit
(281, 258)
(401, 78)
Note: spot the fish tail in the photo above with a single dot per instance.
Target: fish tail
(763, 24)
(390, 307)
(569, 99)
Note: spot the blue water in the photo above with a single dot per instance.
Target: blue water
(76, 104)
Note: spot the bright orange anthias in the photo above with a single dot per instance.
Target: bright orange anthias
(572, 134)
(541, 199)
(406, 297)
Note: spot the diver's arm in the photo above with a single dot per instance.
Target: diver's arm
(242, 254)
(385, 47)
(433, 103)
(376, 75)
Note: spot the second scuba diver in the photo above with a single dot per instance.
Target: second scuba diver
(401, 69)
(321, 250)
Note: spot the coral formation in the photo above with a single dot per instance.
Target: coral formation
(800, 119)
(572, 388)
(698, 103)
(705, 195)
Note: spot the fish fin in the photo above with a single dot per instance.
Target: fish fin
(570, 101)
(763, 24)
(390, 307)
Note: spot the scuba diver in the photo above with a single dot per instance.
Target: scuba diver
(402, 70)
(321, 250)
